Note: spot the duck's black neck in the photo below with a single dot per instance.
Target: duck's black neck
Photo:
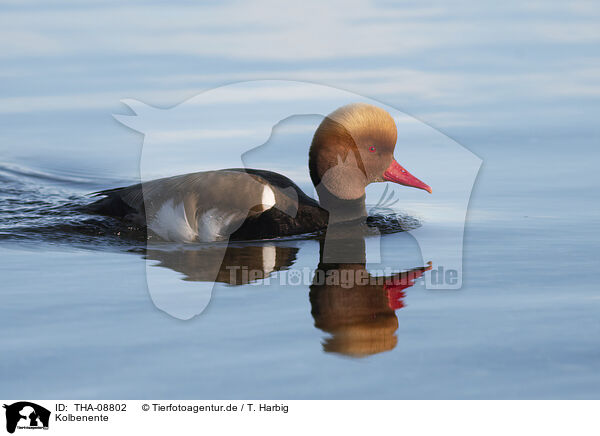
(341, 211)
(344, 244)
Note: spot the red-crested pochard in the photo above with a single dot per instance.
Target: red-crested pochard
(352, 147)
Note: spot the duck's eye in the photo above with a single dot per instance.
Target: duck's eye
(372, 149)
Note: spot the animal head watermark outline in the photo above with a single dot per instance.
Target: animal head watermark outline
(239, 119)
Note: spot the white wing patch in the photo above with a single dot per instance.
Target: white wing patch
(171, 224)
(268, 198)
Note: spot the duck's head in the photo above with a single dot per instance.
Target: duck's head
(353, 147)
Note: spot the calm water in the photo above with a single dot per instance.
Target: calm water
(76, 317)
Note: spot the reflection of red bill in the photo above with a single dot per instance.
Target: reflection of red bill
(395, 299)
(395, 286)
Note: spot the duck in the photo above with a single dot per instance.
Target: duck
(351, 148)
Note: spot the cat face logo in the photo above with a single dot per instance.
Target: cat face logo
(26, 415)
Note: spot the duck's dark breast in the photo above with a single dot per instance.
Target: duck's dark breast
(273, 222)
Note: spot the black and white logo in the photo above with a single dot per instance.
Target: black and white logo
(26, 415)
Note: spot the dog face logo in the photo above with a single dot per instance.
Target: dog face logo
(26, 415)
(260, 121)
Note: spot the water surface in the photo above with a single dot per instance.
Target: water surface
(516, 84)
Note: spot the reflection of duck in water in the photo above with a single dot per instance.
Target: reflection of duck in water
(239, 266)
(358, 309)
(352, 148)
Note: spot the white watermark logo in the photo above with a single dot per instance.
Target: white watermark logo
(269, 125)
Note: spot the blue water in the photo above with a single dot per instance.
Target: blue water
(516, 84)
